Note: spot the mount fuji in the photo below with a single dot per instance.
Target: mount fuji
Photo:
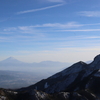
(11, 60)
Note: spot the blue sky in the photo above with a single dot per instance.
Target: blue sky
(56, 30)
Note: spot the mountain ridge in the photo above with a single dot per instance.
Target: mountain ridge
(12, 58)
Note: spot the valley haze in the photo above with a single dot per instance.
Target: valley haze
(17, 74)
(13, 64)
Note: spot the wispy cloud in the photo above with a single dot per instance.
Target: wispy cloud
(39, 9)
(89, 13)
(64, 25)
(59, 25)
(10, 29)
(38, 32)
(4, 39)
(83, 30)
(93, 37)
(22, 30)
(92, 24)
(22, 33)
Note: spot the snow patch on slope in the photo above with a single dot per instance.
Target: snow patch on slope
(59, 86)
(46, 85)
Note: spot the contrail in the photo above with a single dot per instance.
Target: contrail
(34, 10)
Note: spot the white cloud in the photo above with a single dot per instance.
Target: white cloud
(39, 9)
(90, 13)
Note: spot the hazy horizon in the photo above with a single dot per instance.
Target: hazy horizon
(44, 61)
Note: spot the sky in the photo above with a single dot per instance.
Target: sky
(55, 30)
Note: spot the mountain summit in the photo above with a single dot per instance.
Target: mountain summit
(11, 64)
(10, 60)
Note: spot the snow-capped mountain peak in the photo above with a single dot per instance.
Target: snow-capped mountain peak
(10, 60)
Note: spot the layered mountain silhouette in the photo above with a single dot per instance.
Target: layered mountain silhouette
(15, 65)
(80, 81)
(17, 74)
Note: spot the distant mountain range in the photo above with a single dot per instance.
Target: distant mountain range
(17, 74)
(16, 65)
